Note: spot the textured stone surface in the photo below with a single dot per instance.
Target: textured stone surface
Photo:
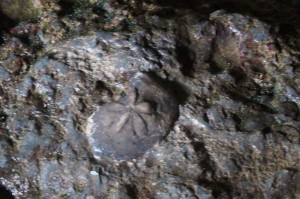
(184, 100)
(127, 128)
(21, 10)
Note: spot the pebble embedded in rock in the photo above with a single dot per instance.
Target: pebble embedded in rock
(21, 10)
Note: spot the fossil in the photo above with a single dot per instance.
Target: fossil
(127, 128)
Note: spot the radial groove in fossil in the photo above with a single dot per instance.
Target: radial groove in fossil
(130, 126)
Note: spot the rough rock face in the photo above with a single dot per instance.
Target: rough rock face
(156, 101)
(21, 10)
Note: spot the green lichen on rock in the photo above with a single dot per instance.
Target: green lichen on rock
(21, 10)
(219, 63)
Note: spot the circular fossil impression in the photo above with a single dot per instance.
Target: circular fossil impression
(127, 128)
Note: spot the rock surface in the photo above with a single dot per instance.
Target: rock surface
(127, 128)
(21, 10)
(152, 99)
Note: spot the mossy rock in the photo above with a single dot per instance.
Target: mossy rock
(219, 63)
(21, 10)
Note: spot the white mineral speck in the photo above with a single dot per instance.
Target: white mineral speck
(94, 173)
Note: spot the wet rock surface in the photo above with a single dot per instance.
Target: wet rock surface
(151, 99)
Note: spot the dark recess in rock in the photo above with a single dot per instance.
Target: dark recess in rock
(180, 3)
(3, 117)
(186, 58)
(5, 193)
(2, 39)
(270, 10)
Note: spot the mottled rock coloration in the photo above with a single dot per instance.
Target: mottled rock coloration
(151, 100)
(21, 10)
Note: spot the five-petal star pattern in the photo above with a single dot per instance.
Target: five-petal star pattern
(128, 127)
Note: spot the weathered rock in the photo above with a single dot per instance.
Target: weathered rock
(182, 103)
(244, 43)
(21, 10)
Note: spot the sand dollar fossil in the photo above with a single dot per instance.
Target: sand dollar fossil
(127, 128)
